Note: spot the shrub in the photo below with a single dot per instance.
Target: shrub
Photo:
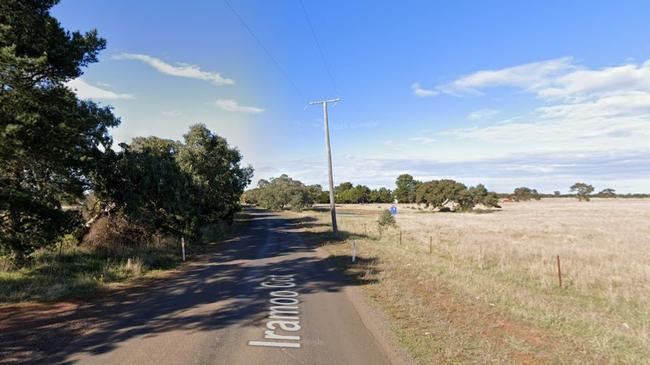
(116, 232)
(524, 194)
(386, 220)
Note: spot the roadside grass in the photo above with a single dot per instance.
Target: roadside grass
(488, 291)
(77, 272)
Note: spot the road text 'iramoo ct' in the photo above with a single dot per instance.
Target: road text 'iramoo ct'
(283, 321)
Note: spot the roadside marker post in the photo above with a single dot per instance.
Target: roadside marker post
(183, 247)
(430, 244)
(354, 251)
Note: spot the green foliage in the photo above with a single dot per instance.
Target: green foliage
(582, 191)
(381, 195)
(406, 187)
(216, 173)
(279, 193)
(150, 188)
(441, 193)
(352, 195)
(178, 187)
(480, 195)
(52, 145)
(438, 193)
(386, 220)
(524, 194)
(607, 193)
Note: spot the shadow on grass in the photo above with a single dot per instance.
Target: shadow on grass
(219, 290)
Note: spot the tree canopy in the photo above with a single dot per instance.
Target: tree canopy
(405, 188)
(437, 194)
(52, 144)
(280, 193)
(582, 190)
(524, 194)
(55, 149)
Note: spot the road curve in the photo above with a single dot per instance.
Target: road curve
(266, 297)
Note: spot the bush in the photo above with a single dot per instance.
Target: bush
(116, 232)
(386, 220)
(523, 193)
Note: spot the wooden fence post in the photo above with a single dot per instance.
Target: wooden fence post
(559, 270)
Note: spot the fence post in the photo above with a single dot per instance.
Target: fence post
(559, 271)
(430, 244)
(400, 237)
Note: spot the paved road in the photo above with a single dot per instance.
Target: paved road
(217, 311)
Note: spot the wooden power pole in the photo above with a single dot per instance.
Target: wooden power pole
(329, 158)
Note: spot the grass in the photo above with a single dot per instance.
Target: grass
(79, 272)
(488, 291)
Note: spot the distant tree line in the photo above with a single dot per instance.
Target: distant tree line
(56, 151)
(438, 194)
(285, 192)
(579, 190)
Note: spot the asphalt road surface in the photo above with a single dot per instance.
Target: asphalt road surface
(266, 297)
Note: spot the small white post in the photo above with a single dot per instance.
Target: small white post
(354, 251)
(183, 247)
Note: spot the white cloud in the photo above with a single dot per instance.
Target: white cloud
(611, 105)
(529, 76)
(171, 113)
(583, 82)
(421, 92)
(423, 140)
(232, 105)
(582, 114)
(584, 110)
(482, 114)
(180, 69)
(85, 90)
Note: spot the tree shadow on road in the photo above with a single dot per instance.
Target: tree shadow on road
(216, 291)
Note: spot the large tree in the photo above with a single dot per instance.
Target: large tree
(216, 170)
(405, 188)
(582, 190)
(439, 193)
(51, 143)
(178, 187)
(150, 188)
(279, 193)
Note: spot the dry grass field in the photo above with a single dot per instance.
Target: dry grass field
(483, 287)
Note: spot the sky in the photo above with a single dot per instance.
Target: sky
(505, 93)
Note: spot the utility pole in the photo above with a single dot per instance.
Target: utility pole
(329, 158)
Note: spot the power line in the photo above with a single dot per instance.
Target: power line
(320, 49)
(268, 53)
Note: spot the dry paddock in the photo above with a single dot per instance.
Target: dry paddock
(483, 287)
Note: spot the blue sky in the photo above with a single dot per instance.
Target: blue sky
(541, 94)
